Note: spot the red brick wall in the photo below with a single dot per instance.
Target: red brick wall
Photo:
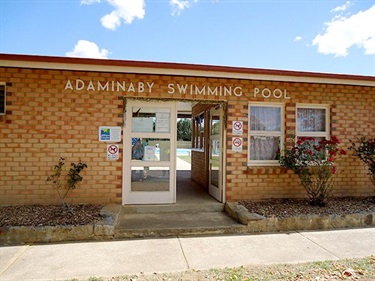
(44, 122)
(352, 114)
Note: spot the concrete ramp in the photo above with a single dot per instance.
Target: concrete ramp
(175, 220)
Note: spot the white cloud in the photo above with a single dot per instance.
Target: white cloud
(126, 10)
(342, 8)
(180, 5)
(297, 38)
(89, 2)
(342, 33)
(87, 49)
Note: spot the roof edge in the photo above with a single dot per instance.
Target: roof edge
(69, 62)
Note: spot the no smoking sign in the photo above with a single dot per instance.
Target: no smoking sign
(237, 127)
(113, 152)
(237, 144)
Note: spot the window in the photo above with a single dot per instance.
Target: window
(312, 121)
(198, 131)
(2, 99)
(266, 128)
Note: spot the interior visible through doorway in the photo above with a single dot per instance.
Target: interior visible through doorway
(187, 190)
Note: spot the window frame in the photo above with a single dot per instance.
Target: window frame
(198, 139)
(280, 134)
(2, 84)
(326, 134)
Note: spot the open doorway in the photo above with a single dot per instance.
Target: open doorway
(157, 168)
(199, 174)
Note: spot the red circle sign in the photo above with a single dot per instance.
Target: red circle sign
(112, 149)
(237, 142)
(238, 126)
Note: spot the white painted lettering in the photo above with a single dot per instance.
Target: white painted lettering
(91, 86)
(237, 91)
(121, 86)
(182, 88)
(171, 89)
(103, 88)
(266, 93)
(68, 85)
(150, 85)
(285, 96)
(256, 91)
(227, 91)
(201, 91)
(131, 88)
(279, 95)
(212, 92)
(79, 84)
(141, 87)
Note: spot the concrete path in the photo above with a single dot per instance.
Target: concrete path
(116, 258)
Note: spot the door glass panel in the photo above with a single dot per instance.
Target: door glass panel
(150, 178)
(214, 174)
(215, 125)
(151, 149)
(215, 150)
(151, 120)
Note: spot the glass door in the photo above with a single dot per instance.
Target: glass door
(149, 153)
(215, 154)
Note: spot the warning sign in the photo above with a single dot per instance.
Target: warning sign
(237, 127)
(237, 144)
(113, 152)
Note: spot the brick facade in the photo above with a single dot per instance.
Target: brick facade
(45, 121)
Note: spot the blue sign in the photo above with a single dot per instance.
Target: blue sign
(105, 134)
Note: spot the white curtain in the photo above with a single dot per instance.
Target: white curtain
(311, 120)
(264, 118)
(264, 148)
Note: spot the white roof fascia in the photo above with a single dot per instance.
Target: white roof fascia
(184, 72)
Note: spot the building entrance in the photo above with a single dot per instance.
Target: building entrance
(150, 153)
(155, 169)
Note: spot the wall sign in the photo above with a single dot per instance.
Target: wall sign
(237, 127)
(237, 144)
(162, 122)
(142, 124)
(112, 134)
(113, 152)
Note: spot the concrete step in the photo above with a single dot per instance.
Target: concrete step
(176, 224)
(174, 208)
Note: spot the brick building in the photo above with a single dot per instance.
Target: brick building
(100, 111)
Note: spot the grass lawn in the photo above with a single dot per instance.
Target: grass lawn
(185, 158)
(349, 269)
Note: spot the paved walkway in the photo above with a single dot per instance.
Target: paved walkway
(116, 258)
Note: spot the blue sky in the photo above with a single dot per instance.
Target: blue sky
(316, 35)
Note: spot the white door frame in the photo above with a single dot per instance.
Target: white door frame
(148, 197)
(216, 191)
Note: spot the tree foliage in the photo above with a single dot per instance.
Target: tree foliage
(365, 151)
(184, 129)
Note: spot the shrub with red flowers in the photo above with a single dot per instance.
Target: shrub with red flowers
(315, 162)
(365, 151)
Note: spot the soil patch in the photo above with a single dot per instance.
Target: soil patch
(54, 215)
(49, 215)
(285, 208)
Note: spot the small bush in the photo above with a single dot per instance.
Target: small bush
(315, 164)
(365, 151)
(74, 177)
